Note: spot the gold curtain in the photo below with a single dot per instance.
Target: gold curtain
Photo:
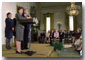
(75, 22)
(67, 21)
(51, 15)
(44, 21)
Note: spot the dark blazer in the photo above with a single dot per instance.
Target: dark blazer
(78, 34)
(42, 35)
(51, 35)
(66, 34)
(27, 28)
(8, 29)
(61, 35)
(27, 25)
(69, 35)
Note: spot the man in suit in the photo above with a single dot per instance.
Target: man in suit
(51, 37)
(9, 29)
(61, 35)
(20, 21)
(66, 35)
(27, 30)
(42, 36)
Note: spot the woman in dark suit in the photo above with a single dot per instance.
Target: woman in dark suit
(9, 29)
(19, 29)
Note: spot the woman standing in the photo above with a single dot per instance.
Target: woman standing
(19, 29)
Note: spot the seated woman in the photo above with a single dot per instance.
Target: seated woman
(56, 35)
(78, 44)
(76, 34)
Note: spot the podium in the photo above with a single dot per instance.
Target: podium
(29, 21)
(25, 21)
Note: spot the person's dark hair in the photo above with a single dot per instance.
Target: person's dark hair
(19, 9)
(8, 14)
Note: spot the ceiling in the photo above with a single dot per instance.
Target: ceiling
(48, 4)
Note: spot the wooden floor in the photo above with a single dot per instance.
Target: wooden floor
(42, 50)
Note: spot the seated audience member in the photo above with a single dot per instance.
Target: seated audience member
(42, 36)
(56, 35)
(80, 47)
(48, 37)
(61, 36)
(69, 35)
(9, 29)
(73, 37)
(51, 36)
(66, 35)
(78, 44)
(76, 34)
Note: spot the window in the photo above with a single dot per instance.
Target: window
(71, 25)
(47, 24)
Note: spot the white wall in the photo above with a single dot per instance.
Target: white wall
(26, 5)
(59, 15)
(79, 19)
(7, 7)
